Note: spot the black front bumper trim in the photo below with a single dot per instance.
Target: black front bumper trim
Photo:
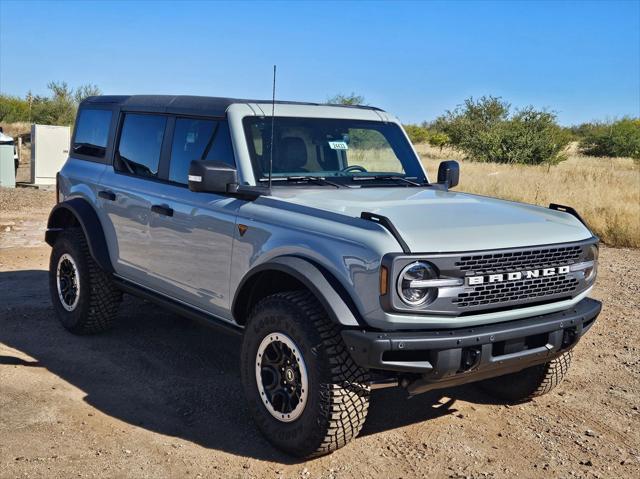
(455, 356)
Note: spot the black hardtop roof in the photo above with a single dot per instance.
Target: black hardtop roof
(186, 104)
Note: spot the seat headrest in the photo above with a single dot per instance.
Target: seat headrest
(292, 155)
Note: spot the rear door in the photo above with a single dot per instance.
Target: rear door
(191, 234)
(127, 190)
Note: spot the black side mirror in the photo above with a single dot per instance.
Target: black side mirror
(212, 177)
(449, 173)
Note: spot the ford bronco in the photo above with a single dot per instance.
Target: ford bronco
(315, 233)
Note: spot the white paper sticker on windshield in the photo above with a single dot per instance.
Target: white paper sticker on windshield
(338, 145)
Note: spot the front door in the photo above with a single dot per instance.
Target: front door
(191, 234)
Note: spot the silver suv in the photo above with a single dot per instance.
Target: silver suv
(316, 234)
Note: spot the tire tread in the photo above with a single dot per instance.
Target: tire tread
(531, 382)
(345, 393)
(104, 297)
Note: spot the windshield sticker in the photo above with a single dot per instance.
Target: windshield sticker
(338, 145)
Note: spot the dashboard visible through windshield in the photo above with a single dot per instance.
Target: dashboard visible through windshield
(339, 149)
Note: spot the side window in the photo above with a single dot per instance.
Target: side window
(197, 139)
(92, 132)
(190, 140)
(222, 149)
(140, 144)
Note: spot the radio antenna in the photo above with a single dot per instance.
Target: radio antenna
(273, 109)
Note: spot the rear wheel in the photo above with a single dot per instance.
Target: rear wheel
(531, 382)
(83, 296)
(305, 393)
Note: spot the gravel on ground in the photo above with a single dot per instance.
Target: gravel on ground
(160, 396)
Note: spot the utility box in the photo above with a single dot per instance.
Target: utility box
(49, 151)
(7, 166)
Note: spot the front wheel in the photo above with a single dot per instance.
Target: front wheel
(305, 393)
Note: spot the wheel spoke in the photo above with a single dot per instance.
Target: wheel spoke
(271, 378)
(68, 284)
(281, 377)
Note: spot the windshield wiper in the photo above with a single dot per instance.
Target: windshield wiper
(317, 179)
(388, 177)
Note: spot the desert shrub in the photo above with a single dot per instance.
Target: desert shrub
(616, 139)
(13, 109)
(417, 133)
(59, 108)
(486, 130)
(350, 99)
(439, 140)
(579, 132)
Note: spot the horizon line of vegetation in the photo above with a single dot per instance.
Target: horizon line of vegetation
(486, 129)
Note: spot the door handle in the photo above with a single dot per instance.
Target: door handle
(107, 195)
(162, 210)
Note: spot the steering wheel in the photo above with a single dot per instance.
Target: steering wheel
(354, 168)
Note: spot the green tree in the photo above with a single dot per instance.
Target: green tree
(439, 140)
(341, 99)
(486, 130)
(13, 109)
(619, 138)
(59, 108)
(416, 133)
(85, 91)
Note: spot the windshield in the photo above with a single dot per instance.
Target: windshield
(343, 150)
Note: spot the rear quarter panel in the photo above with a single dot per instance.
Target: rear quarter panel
(80, 179)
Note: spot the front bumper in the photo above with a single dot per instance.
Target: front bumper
(450, 357)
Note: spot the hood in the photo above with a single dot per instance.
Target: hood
(433, 221)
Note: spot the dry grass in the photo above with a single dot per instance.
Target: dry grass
(605, 191)
(15, 129)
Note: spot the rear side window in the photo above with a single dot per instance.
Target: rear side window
(197, 139)
(140, 144)
(92, 132)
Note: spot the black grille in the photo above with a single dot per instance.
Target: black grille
(528, 289)
(518, 260)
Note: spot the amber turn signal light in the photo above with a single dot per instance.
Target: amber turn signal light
(384, 280)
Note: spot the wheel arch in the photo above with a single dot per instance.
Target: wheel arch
(290, 273)
(78, 212)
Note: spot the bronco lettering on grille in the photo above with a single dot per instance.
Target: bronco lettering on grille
(516, 275)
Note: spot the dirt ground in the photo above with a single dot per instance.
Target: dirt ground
(160, 396)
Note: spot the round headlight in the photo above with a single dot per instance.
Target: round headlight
(592, 255)
(416, 296)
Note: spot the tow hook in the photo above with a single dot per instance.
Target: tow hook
(470, 359)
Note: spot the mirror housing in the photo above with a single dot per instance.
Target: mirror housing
(212, 177)
(449, 173)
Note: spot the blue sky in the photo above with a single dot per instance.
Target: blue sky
(416, 59)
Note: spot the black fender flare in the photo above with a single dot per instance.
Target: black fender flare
(86, 216)
(335, 303)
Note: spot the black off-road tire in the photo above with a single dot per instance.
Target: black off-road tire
(98, 298)
(531, 382)
(338, 389)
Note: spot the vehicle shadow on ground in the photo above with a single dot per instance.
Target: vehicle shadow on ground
(167, 374)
